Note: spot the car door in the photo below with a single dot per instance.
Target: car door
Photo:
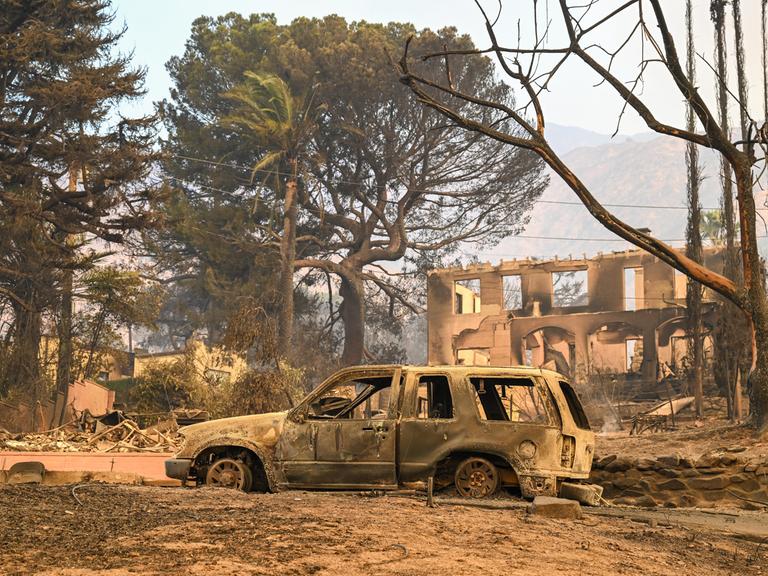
(343, 436)
(429, 427)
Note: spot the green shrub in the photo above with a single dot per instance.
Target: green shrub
(258, 391)
(165, 386)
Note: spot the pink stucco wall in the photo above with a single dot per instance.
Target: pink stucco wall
(89, 395)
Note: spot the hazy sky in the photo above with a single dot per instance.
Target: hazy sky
(158, 29)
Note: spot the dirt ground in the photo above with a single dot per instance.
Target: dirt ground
(119, 530)
(690, 440)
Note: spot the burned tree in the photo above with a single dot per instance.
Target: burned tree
(730, 348)
(693, 248)
(764, 53)
(650, 36)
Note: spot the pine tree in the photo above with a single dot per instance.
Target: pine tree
(60, 80)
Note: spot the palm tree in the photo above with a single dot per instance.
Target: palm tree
(281, 124)
(712, 228)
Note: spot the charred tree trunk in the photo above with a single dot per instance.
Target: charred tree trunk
(755, 295)
(758, 380)
(693, 247)
(741, 77)
(352, 311)
(22, 373)
(64, 361)
(695, 330)
(728, 217)
(764, 56)
(729, 344)
(97, 329)
(65, 352)
(753, 271)
(287, 258)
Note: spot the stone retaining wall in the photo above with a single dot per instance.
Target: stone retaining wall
(716, 478)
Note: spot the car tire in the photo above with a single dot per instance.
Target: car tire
(229, 473)
(476, 478)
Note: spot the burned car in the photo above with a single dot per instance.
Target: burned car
(379, 427)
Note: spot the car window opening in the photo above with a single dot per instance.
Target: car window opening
(577, 412)
(509, 400)
(434, 398)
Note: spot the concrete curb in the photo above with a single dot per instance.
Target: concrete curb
(64, 468)
(65, 478)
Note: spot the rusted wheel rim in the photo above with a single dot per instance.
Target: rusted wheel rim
(476, 478)
(228, 473)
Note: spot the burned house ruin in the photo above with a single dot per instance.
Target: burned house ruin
(619, 313)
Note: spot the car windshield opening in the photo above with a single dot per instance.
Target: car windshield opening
(356, 399)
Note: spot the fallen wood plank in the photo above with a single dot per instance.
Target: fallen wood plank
(667, 408)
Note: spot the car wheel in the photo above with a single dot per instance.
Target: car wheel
(476, 478)
(229, 473)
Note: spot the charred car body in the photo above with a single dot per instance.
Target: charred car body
(377, 427)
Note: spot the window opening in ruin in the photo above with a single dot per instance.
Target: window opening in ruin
(356, 399)
(634, 297)
(473, 356)
(467, 296)
(513, 292)
(577, 412)
(678, 351)
(434, 399)
(528, 357)
(569, 289)
(509, 400)
(633, 355)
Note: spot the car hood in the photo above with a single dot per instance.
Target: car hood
(262, 429)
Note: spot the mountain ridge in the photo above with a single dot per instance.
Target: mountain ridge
(644, 172)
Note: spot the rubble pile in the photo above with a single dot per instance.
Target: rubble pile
(113, 432)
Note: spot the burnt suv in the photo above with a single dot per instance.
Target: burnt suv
(378, 427)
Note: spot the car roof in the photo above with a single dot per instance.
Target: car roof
(457, 369)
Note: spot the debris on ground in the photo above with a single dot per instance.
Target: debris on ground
(659, 417)
(551, 507)
(587, 494)
(112, 432)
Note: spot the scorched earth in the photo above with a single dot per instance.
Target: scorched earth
(120, 530)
